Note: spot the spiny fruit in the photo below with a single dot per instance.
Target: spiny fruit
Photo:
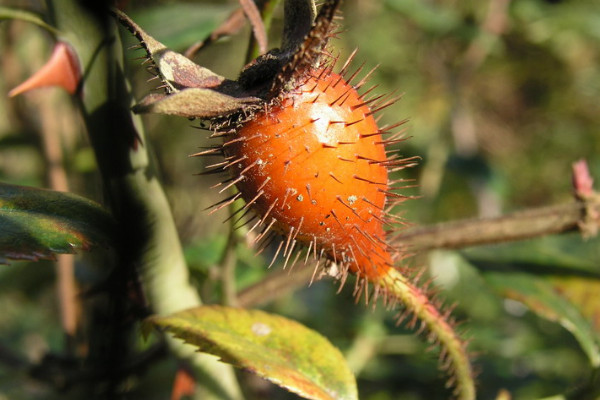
(315, 169)
(304, 150)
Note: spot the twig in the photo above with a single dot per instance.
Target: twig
(512, 227)
(65, 264)
(234, 22)
(258, 28)
(275, 285)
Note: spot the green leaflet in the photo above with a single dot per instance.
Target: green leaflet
(542, 298)
(37, 223)
(273, 347)
(556, 277)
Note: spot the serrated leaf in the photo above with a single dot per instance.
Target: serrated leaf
(273, 347)
(38, 223)
(540, 296)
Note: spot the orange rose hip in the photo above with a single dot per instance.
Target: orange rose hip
(314, 168)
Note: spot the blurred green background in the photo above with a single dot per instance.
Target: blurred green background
(502, 97)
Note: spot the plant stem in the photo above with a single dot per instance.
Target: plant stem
(56, 119)
(520, 225)
(275, 285)
(254, 16)
(69, 301)
(150, 242)
(227, 264)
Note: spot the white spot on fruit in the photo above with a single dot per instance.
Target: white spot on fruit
(352, 199)
(322, 114)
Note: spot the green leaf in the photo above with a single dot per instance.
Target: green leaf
(583, 293)
(276, 348)
(541, 297)
(38, 223)
(566, 263)
(559, 254)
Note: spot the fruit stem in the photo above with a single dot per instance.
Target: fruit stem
(454, 355)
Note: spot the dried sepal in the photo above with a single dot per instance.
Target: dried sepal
(299, 16)
(179, 72)
(192, 91)
(175, 70)
(307, 54)
(193, 103)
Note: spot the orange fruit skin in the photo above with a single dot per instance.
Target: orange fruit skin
(313, 163)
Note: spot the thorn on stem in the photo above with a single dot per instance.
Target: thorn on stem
(62, 69)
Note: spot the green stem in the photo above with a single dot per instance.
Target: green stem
(454, 355)
(150, 242)
(227, 264)
(13, 13)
